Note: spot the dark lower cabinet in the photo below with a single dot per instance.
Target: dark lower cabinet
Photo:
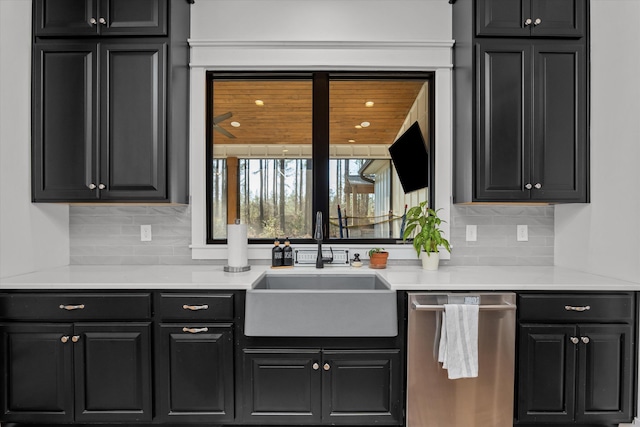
(312, 386)
(576, 373)
(76, 372)
(196, 373)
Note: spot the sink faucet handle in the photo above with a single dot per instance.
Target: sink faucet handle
(318, 233)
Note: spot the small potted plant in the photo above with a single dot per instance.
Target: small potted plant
(425, 223)
(378, 258)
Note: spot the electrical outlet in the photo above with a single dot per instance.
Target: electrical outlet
(522, 233)
(472, 233)
(145, 233)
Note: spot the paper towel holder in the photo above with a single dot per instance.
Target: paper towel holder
(231, 269)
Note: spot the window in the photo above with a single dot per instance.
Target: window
(282, 146)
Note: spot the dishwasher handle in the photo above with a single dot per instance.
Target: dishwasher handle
(488, 307)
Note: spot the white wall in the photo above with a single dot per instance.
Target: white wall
(32, 236)
(603, 237)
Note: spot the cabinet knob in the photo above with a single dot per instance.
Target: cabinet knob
(527, 22)
(575, 340)
(101, 186)
(75, 338)
(102, 21)
(64, 339)
(538, 21)
(585, 340)
(92, 186)
(315, 366)
(93, 21)
(326, 367)
(528, 186)
(538, 186)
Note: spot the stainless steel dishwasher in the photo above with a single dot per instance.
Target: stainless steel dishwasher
(433, 400)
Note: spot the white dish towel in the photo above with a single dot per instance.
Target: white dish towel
(458, 350)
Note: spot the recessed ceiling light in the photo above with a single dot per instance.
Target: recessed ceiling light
(365, 124)
(358, 127)
(352, 140)
(259, 102)
(368, 104)
(235, 124)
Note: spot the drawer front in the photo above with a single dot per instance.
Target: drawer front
(75, 306)
(576, 307)
(196, 306)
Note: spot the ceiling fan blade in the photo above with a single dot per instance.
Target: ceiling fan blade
(223, 131)
(222, 117)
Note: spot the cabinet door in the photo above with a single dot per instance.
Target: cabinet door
(605, 374)
(504, 107)
(65, 17)
(64, 122)
(546, 373)
(527, 18)
(37, 376)
(560, 116)
(132, 116)
(558, 18)
(195, 382)
(282, 387)
(133, 17)
(361, 387)
(112, 364)
(503, 18)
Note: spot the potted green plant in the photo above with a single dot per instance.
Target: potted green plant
(423, 224)
(378, 258)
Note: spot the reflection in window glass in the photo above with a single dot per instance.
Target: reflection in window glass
(262, 133)
(275, 197)
(366, 200)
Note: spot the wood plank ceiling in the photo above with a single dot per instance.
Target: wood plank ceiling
(285, 117)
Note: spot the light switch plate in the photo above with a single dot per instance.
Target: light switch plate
(472, 233)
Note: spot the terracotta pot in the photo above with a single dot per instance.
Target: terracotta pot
(378, 260)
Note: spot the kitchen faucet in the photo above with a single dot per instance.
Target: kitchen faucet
(318, 235)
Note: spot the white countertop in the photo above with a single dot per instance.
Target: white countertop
(400, 277)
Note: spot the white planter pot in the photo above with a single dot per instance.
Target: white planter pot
(430, 261)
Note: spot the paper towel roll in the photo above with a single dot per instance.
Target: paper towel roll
(237, 245)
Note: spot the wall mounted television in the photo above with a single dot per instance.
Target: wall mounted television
(411, 159)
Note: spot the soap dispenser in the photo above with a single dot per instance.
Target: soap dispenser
(287, 252)
(276, 254)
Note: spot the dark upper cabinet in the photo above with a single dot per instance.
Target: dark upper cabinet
(100, 18)
(531, 142)
(99, 122)
(530, 18)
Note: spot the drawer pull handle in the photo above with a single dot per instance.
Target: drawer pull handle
(575, 340)
(72, 307)
(195, 330)
(572, 308)
(195, 307)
